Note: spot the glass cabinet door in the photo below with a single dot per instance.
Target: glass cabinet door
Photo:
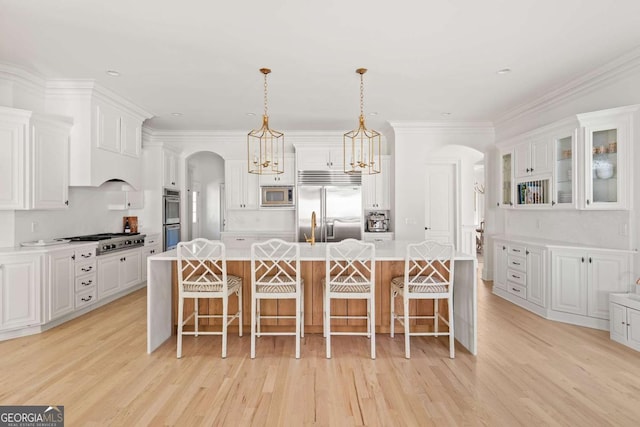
(604, 166)
(564, 172)
(506, 171)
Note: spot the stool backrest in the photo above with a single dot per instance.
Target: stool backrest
(429, 262)
(350, 262)
(201, 264)
(275, 262)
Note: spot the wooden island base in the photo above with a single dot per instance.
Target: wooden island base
(312, 273)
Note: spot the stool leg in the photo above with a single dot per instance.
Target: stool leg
(195, 318)
(407, 350)
(240, 311)
(327, 322)
(435, 316)
(258, 316)
(253, 326)
(302, 311)
(372, 328)
(180, 316)
(393, 313)
(451, 334)
(225, 324)
(298, 327)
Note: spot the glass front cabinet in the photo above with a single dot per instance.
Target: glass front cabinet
(607, 136)
(589, 158)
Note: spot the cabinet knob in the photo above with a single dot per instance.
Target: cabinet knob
(426, 228)
(498, 204)
(553, 203)
(590, 260)
(73, 257)
(66, 202)
(582, 259)
(588, 201)
(527, 252)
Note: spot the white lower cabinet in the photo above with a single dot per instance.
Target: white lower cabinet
(145, 253)
(19, 291)
(61, 286)
(561, 283)
(118, 272)
(582, 280)
(624, 325)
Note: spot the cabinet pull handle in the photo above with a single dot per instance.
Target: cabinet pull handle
(87, 298)
(87, 283)
(553, 203)
(527, 252)
(515, 277)
(588, 201)
(66, 202)
(582, 259)
(73, 257)
(531, 170)
(498, 204)
(87, 269)
(527, 169)
(589, 260)
(516, 263)
(504, 247)
(515, 289)
(85, 255)
(516, 250)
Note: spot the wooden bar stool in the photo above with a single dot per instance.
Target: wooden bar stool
(202, 273)
(275, 274)
(428, 274)
(350, 274)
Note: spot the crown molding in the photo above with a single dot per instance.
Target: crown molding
(88, 88)
(460, 128)
(24, 78)
(598, 78)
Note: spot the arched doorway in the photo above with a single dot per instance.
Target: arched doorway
(205, 195)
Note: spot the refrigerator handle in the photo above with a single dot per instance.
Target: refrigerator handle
(323, 215)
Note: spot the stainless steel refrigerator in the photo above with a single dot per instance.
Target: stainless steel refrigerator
(336, 198)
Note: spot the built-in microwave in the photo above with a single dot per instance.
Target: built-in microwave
(277, 196)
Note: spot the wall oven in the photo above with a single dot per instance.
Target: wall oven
(171, 207)
(171, 236)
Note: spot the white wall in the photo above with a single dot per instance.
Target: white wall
(415, 145)
(87, 214)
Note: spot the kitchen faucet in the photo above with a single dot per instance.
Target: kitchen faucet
(312, 240)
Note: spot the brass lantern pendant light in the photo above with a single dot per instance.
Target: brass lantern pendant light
(265, 146)
(362, 145)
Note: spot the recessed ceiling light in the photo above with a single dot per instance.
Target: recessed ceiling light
(113, 73)
(504, 71)
(250, 114)
(373, 113)
(176, 114)
(445, 114)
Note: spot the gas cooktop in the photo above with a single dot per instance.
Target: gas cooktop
(111, 242)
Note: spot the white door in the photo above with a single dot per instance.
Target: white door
(440, 203)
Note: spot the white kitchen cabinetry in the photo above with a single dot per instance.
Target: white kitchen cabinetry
(607, 140)
(565, 171)
(146, 252)
(378, 237)
(536, 283)
(320, 158)
(61, 283)
(19, 291)
(376, 188)
(170, 169)
(118, 272)
(34, 168)
(241, 187)
(285, 178)
(533, 157)
(625, 319)
(525, 272)
(500, 264)
(506, 179)
(106, 141)
(582, 280)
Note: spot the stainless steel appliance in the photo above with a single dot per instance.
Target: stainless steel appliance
(171, 207)
(170, 218)
(336, 199)
(276, 196)
(112, 242)
(171, 236)
(377, 222)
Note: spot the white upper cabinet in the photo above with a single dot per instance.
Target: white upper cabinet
(241, 187)
(285, 178)
(106, 140)
(565, 183)
(606, 146)
(505, 199)
(534, 157)
(170, 170)
(320, 158)
(34, 166)
(377, 188)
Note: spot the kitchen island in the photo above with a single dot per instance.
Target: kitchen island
(162, 292)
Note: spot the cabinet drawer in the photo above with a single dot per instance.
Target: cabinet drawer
(86, 298)
(517, 250)
(516, 277)
(83, 268)
(85, 282)
(517, 263)
(85, 254)
(517, 290)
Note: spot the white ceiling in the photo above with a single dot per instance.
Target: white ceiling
(425, 58)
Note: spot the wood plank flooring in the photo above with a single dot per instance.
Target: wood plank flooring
(529, 371)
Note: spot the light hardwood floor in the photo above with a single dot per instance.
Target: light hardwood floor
(529, 371)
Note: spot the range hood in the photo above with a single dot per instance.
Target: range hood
(116, 185)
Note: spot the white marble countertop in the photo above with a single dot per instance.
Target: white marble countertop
(392, 250)
(26, 250)
(550, 243)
